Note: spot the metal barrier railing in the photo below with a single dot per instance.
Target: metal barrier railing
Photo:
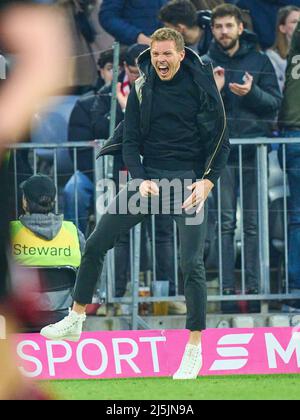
(265, 293)
(38, 154)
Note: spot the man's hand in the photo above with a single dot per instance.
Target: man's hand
(122, 99)
(143, 39)
(219, 75)
(148, 188)
(242, 90)
(201, 190)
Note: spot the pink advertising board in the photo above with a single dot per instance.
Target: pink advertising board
(129, 354)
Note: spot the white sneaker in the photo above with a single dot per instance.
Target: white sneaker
(191, 363)
(69, 329)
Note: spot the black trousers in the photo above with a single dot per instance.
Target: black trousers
(114, 224)
(164, 248)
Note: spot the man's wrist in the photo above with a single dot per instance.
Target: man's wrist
(209, 183)
(252, 91)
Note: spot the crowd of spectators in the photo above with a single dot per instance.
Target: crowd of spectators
(248, 43)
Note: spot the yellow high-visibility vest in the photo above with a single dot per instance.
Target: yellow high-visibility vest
(30, 250)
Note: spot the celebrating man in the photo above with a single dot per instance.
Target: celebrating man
(176, 119)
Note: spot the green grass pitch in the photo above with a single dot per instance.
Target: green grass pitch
(274, 387)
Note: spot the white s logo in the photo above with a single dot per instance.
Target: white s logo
(237, 352)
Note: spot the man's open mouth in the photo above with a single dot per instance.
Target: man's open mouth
(163, 70)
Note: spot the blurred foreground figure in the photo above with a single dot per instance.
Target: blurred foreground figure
(37, 37)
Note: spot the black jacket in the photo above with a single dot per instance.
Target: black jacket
(100, 111)
(81, 128)
(211, 118)
(252, 115)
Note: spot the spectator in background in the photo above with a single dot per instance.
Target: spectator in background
(105, 66)
(248, 84)
(102, 105)
(206, 4)
(211, 4)
(194, 26)
(288, 18)
(82, 127)
(130, 21)
(83, 35)
(264, 16)
(289, 120)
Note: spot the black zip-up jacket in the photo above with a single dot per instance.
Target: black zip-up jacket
(252, 115)
(81, 129)
(211, 118)
(100, 111)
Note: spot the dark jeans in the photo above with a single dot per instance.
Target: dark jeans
(229, 194)
(293, 174)
(164, 248)
(192, 240)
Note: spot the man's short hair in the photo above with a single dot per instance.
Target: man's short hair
(133, 53)
(224, 10)
(167, 34)
(179, 12)
(106, 56)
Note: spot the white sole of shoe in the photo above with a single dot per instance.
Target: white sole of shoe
(74, 339)
(185, 379)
